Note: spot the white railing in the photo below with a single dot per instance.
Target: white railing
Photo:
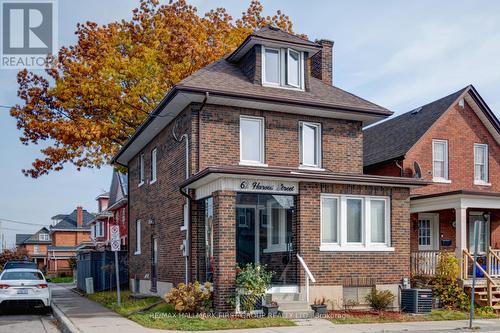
(493, 262)
(308, 275)
(424, 262)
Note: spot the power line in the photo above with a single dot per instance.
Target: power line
(20, 222)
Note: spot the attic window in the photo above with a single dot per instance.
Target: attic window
(282, 68)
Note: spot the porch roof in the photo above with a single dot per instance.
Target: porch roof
(277, 173)
(455, 200)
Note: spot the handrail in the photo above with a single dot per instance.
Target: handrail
(486, 275)
(490, 250)
(306, 269)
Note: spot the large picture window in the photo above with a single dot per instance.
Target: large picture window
(310, 144)
(355, 223)
(251, 140)
(480, 163)
(440, 160)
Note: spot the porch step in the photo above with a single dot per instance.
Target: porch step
(297, 314)
(285, 297)
(294, 305)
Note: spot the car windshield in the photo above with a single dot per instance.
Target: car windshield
(19, 264)
(22, 276)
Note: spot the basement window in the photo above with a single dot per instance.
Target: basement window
(282, 67)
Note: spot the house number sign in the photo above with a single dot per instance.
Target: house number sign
(262, 186)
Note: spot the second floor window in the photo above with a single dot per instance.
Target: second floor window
(310, 144)
(282, 67)
(141, 169)
(138, 237)
(440, 159)
(36, 248)
(251, 140)
(153, 165)
(44, 237)
(480, 163)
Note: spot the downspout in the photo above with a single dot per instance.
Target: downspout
(400, 167)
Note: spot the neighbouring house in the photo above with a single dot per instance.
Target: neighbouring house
(68, 231)
(258, 158)
(36, 245)
(454, 143)
(99, 225)
(118, 204)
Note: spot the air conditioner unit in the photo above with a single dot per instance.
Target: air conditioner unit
(416, 300)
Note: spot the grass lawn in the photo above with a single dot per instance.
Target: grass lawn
(359, 317)
(61, 279)
(163, 315)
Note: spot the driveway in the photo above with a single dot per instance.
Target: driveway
(26, 321)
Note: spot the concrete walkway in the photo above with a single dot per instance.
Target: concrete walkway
(78, 314)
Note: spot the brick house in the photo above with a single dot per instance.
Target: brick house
(258, 158)
(67, 232)
(99, 225)
(118, 204)
(454, 143)
(36, 245)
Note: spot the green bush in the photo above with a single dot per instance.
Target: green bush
(379, 300)
(445, 284)
(253, 281)
(190, 298)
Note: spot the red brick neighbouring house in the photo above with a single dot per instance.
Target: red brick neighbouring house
(258, 158)
(99, 225)
(36, 244)
(118, 205)
(453, 142)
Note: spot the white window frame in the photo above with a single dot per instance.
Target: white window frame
(281, 246)
(287, 64)
(283, 54)
(366, 244)
(262, 135)
(137, 237)
(434, 231)
(154, 155)
(481, 181)
(36, 248)
(444, 179)
(99, 227)
(141, 169)
(43, 237)
(317, 145)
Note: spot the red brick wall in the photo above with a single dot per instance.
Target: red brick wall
(333, 268)
(341, 139)
(462, 128)
(69, 238)
(385, 169)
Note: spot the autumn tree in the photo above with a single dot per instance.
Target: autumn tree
(100, 89)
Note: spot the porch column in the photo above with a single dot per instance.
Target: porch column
(461, 231)
(224, 229)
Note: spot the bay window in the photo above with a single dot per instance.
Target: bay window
(355, 223)
(282, 67)
(251, 140)
(480, 163)
(440, 160)
(310, 144)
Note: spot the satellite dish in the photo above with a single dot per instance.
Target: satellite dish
(418, 171)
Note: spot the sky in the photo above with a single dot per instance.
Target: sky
(398, 54)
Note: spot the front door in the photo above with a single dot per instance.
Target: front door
(154, 263)
(428, 232)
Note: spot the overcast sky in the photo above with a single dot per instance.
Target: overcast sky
(398, 54)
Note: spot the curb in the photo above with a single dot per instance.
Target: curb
(66, 326)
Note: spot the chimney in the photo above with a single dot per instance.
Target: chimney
(321, 62)
(79, 217)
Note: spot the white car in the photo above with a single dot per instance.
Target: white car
(24, 286)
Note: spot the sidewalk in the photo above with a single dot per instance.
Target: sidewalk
(78, 314)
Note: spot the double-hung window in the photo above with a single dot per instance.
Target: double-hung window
(251, 140)
(440, 160)
(153, 165)
(138, 237)
(480, 163)
(282, 67)
(43, 237)
(36, 248)
(355, 223)
(141, 169)
(310, 144)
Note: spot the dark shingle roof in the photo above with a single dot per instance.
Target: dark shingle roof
(118, 188)
(20, 238)
(270, 32)
(393, 138)
(69, 221)
(225, 77)
(35, 239)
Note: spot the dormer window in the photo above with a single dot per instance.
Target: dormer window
(282, 68)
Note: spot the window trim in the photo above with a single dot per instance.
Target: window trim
(366, 245)
(287, 64)
(282, 69)
(262, 134)
(446, 177)
(153, 168)
(137, 237)
(318, 144)
(141, 169)
(486, 164)
(264, 78)
(45, 237)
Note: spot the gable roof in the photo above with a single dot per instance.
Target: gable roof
(20, 238)
(69, 221)
(393, 138)
(118, 189)
(34, 239)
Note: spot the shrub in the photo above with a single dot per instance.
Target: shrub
(13, 254)
(190, 298)
(445, 285)
(379, 300)
(253, 281)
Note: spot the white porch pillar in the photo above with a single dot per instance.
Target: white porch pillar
(461, 230)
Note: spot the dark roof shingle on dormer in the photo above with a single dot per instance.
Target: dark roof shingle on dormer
(69, 221)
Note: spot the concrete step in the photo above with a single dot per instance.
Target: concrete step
(294, 305)
(296, 314)
(279, 297)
